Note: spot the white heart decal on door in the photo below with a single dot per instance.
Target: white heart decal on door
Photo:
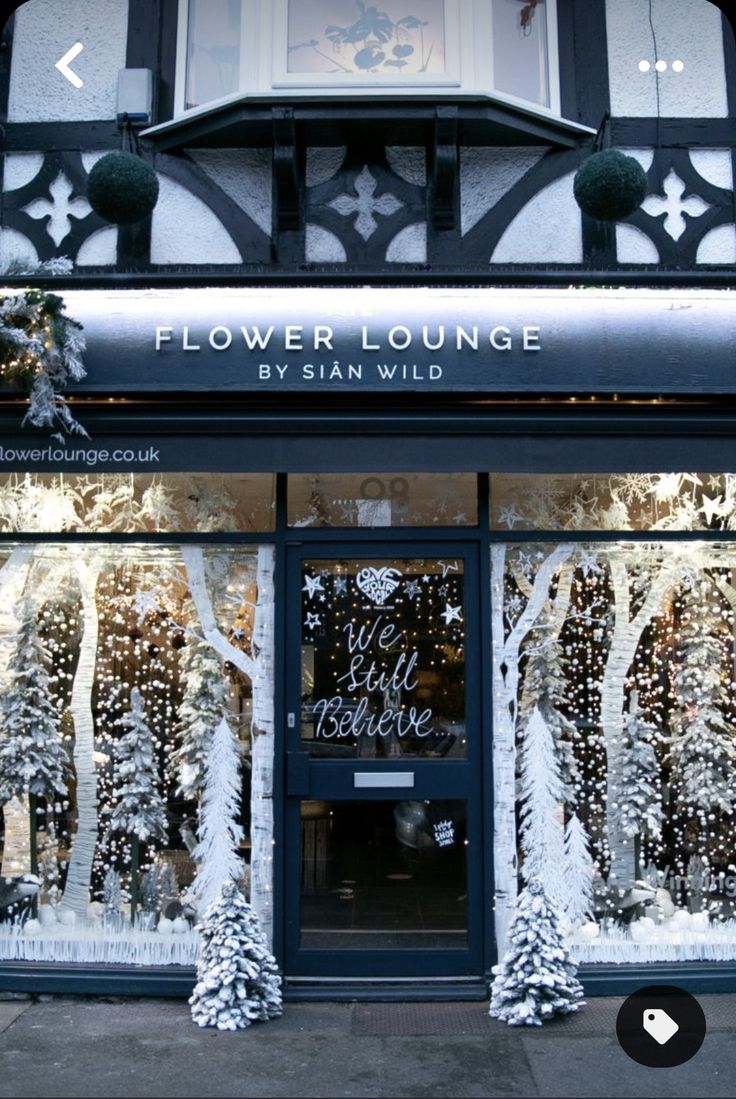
(378, 584)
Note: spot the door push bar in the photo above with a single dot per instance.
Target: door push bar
(363, 780)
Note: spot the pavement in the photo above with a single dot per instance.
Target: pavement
(69, 1047)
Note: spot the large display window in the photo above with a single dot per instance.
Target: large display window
(136, 745)
(614, 717)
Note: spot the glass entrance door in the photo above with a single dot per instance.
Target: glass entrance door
(383, 860)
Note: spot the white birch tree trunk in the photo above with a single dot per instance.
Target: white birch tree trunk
(260, 671)
(262, 741)
(79, 872)
(17, 842)
(505, 706)
(624, 643)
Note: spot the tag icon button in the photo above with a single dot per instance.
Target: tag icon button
(659, 1025)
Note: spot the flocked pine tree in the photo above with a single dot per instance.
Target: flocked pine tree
(139, 812)
(578, 874)
(238, 982)
(703, 748)
(220, 834)
(112, 894)
(536, 978)
(542, 836)
(202, 708)
(638, 787)
(33, 759)
(545, 689)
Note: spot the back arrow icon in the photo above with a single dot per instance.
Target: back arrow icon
(63, 65)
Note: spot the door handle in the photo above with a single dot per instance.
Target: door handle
(367, 780)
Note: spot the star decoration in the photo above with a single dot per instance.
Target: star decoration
(452, 567)
(412, 589)
(312, 584)
(443, 590)
(144, 602)
(452, 614)
(341, 585)
(425, 578)
(589, 562)
(509, 517)
(313, 620)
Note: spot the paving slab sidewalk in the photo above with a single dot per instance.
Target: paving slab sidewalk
(150, 1048)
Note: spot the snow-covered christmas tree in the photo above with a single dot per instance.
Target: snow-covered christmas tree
(545, 689)
(578, 874)
(33, 759)
(139, 808)
(542, 835)
(638, 788)
(220, 834)
(139, 812)
(202, 708)
(238, 982)
(703, 749)
(536, 978)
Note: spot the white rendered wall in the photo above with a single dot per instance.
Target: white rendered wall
(44, 31)
(244, 175)
(184, 229)
(686, 30)
(547, 230)
(486, 174)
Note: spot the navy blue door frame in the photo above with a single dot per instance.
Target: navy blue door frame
(309, 778)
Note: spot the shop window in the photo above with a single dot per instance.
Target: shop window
(130, 503)
(613, 501)
(506, 48)
(126, 671)
(614, 743)
(375, 500)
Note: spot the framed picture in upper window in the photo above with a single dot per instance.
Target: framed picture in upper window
(505, 49)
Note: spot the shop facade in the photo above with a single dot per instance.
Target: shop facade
(404, 580)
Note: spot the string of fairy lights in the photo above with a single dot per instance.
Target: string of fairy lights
(683, 671)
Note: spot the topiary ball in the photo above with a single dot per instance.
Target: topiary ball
(609, 186)
(122, 188)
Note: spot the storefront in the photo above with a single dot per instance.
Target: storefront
(455, 567)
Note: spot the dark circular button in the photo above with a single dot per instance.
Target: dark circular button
(660, 1026)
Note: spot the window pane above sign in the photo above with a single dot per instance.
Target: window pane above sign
(129, 503)
(613, 501)
(213, 50)
(382, 500)
(505, 48)
(345, 38)
(520, 61)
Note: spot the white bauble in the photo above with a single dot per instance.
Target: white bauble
(643, 929)
(682, 918)
(165, 927)
(180, 926)
(589, 931)
(46, 915)
(32, 928)
(67, 917)
(665, 902)
(699, 921)
(95, 911)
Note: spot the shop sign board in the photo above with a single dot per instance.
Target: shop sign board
(407, 339)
